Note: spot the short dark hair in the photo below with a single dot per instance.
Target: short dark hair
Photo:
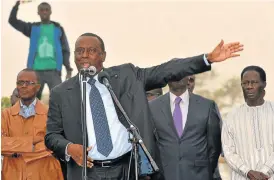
(30, 70)
(257, 69)
(98, 37)
(44, 3)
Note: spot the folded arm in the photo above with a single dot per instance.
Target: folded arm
(22, 145)
(10, 145)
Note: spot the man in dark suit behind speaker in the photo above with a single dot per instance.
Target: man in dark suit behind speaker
(188, 133)
(108, 146)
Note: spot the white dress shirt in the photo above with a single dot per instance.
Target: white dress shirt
(119, 134)
(183, 105)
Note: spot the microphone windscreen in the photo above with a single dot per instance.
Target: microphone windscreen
(103, 75)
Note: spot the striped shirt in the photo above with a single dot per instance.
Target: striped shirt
(248, 140)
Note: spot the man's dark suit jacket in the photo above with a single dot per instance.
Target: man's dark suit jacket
(129, 84)
(194, 155)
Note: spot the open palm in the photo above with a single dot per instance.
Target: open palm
(225, 51)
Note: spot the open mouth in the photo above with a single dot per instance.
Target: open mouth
(85, 65)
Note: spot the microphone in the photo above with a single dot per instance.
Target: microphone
(85, 72)
(103, 77)
(91, 71)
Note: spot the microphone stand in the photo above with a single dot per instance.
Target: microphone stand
(136, 139)
(84, 124)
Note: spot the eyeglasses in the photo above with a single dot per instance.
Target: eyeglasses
(91, 51)
(252, 83)
(27, 83)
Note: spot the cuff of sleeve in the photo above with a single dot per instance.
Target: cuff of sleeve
(244, 170)
(206, 61)
(67, 156)
(266, 170)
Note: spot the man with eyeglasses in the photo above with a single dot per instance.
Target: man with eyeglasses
(248, 130)
(108, 146)
(49, 48)
(23, 127)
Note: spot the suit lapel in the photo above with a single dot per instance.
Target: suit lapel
(193, 104)
(74, 97)
(165, 108)
(114, 81)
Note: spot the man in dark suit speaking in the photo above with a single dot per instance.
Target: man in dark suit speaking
(108, 146)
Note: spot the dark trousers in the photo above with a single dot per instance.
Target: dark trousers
(116, 172)
(49, 77)
(64, 169)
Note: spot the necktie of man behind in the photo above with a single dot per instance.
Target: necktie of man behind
(177, 116)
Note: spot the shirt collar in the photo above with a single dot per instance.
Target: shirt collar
(27, 111)
(32, 104)
(39, 108)
(184, 97)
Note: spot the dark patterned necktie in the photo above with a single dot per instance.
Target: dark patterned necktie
(100, 123)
